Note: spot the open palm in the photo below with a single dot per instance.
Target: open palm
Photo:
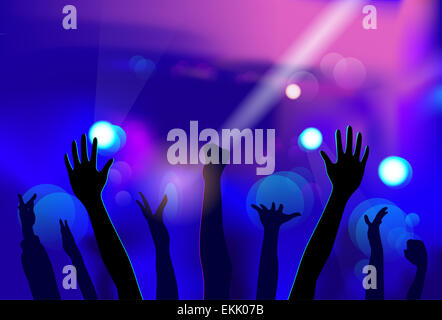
(86, 181)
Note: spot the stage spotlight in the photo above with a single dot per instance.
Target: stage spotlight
(293, 91)
(105, 134)
(310, 139)
(395, 171)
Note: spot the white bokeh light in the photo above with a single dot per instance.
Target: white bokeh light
(394, 171)
(105, 134)
(293, 91)
(310, 139)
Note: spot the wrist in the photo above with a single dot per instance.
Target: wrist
(271, 230)
(28, 231)
(92, 201)
(340, 196)
(421, 268)
(94, 208)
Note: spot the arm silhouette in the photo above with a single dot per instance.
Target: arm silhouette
(35, 260)
(417, 255)
(88, 183)
(167, 288)
(215, 260)
(346, 176)
(377, 255)
(70, 247)
(268, 266)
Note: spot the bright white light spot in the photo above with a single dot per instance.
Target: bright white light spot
(105, 134)
(293, 91)
(310, 139)
(394, 171)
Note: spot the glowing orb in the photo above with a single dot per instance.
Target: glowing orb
(285, 187)
(359, 266)
(310, 139)
(349, 73)
(393, 227)
(123, 198)
(293, 91)
(52, 204)
(105, 134)
(395, 171)
(412, 220)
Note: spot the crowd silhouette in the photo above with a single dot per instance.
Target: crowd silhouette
(88, 182)
(167, 288)
(70, 247)
(377, 255)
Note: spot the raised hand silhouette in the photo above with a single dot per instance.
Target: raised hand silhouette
(88, 183)
(373, 227)
(70, 247)
(417, 255)
(377, 255)
(167, 288)
(271, 220)
(215, 260)
(347, 172)
(346, 176)
(214, 170)
(159, 232)
(26, 213)
(35, 261)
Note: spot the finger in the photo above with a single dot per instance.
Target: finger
(381, 214)
(294, 215)
(358, 146)
(68, 164)
(94, 152)
(349, 146)
(365, 157)
(160, 209)
(289, 217)
(146, 204)
(273, 206)
(107, 167)
(256, 208)
(84, 155)
(326, 159)
(281, 208)
(140, 205)
(20, 200)
(263, 207)
(75, 154)
(339, 151)
(367, 221)
(31, 201)
(67, 226)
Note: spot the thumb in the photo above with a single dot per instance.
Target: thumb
(289, 217)
(160, 209)
(107, 167)
(326, 159)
